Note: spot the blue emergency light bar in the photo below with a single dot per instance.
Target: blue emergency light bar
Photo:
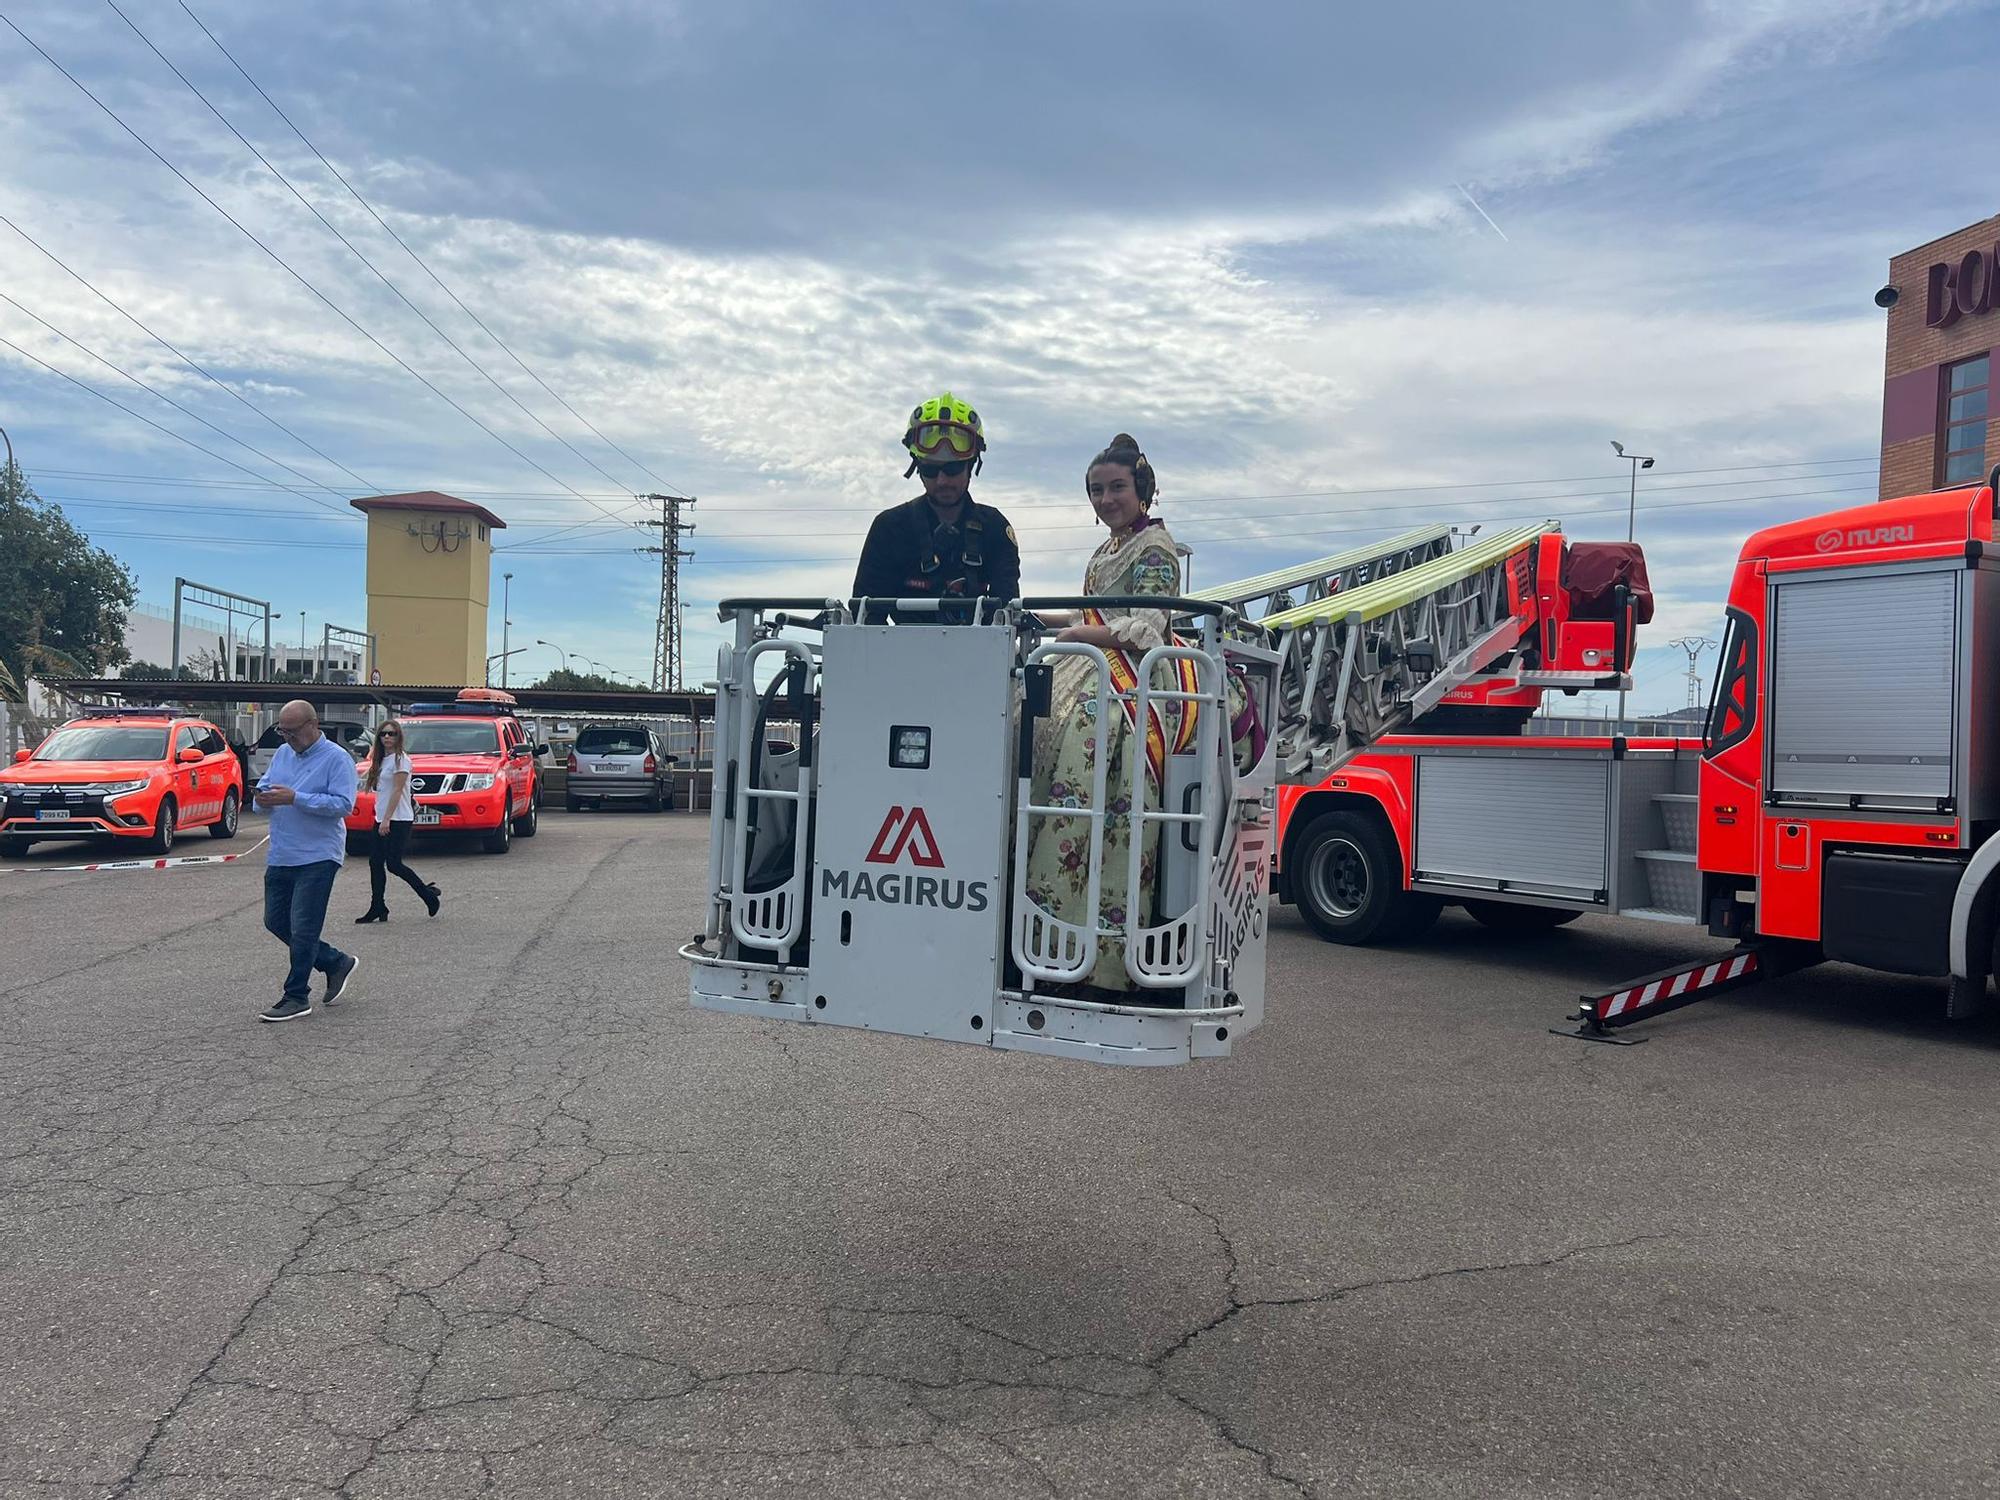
(476, 710)
(146, 711)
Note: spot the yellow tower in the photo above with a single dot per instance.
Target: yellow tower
(429, 560)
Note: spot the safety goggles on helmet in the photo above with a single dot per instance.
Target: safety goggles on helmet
(944, 430)
(932, 437)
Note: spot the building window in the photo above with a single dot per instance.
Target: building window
(1962, 454)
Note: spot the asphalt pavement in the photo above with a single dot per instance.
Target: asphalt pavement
(512, 1219)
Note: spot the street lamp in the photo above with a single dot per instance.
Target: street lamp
(506, 609)
(1638, 462)
(558, 650)
(1632, 502)
(497, 656)
(10, 451)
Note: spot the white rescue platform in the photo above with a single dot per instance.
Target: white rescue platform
(874, 807)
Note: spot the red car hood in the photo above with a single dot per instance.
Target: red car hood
(55, 772)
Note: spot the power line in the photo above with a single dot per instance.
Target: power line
(334, 230)
(421, 262)
(1870, 465)
(184, 411)
(1071, 551)
(233, 393)
(1288, 515)
(539, 544)
(114, 401)
(535, 549)
(285, 265)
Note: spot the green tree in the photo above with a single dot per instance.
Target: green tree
(564, 681)
(153, 671)
(63, 602)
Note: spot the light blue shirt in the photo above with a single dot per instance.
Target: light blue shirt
(314, 827)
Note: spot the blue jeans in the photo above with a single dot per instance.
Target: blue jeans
(294, 911)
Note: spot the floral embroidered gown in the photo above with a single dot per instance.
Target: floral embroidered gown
(1067, 744)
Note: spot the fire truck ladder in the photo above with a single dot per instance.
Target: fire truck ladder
(1343, 573)
(1360, 663)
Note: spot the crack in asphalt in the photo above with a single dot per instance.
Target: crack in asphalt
(1239, 1304)
(421, 1312)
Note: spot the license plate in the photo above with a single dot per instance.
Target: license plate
(603, 770)
(425, 815)
(52, 815)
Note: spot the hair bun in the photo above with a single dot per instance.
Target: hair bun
(1123, 440)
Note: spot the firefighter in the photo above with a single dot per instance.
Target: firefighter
(943, 544)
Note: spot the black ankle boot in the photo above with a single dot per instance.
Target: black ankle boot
(433, 898)
(373, 914)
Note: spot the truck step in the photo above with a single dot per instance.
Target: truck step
(1677, 811)
(1673, 879)
(1660, 914)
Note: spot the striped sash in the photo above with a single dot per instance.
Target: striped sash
(1125, 683)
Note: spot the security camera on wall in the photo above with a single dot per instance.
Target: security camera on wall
(1887, 297)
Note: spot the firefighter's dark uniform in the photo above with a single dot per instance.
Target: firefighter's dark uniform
(910, 554)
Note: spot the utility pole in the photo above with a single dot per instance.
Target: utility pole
(1694, 645)
(667, 636)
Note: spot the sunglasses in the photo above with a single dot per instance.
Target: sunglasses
(949, 471)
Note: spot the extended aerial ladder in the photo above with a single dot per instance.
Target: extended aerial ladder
(877, 877)
(1416, 619)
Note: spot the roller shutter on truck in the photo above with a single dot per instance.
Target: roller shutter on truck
(1528, 823)
(1863, 695)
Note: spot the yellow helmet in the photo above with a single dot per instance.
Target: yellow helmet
(944, 428)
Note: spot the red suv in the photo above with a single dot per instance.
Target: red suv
(471, 770)
(138, 774)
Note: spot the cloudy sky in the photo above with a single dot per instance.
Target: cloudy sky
(740, 241)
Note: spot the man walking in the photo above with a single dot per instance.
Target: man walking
(309, 791)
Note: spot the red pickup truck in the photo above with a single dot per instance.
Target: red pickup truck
(472, 770)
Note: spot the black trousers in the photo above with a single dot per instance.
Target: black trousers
(385, 857)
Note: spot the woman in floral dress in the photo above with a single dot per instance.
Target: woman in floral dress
(1139, 557)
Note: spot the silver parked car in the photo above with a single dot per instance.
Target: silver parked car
(619, 763)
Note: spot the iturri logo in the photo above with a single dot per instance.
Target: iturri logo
(1864, 536)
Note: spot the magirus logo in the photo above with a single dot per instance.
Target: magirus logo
(905, 831)
(1863, 536)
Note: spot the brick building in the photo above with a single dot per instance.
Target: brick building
(1944, 336)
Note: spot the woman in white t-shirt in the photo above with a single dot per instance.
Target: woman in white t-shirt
(388, 777)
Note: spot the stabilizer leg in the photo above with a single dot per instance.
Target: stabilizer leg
(1598, 1016)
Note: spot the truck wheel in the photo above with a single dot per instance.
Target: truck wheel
(524, 827)
(12, 848)
(1348, 881)
(1506, 916)
(164, 829)
(224, 827)
(501, 838)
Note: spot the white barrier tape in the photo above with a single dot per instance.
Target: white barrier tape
(173, 863)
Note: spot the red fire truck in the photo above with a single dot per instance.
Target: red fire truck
(1838, 805)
